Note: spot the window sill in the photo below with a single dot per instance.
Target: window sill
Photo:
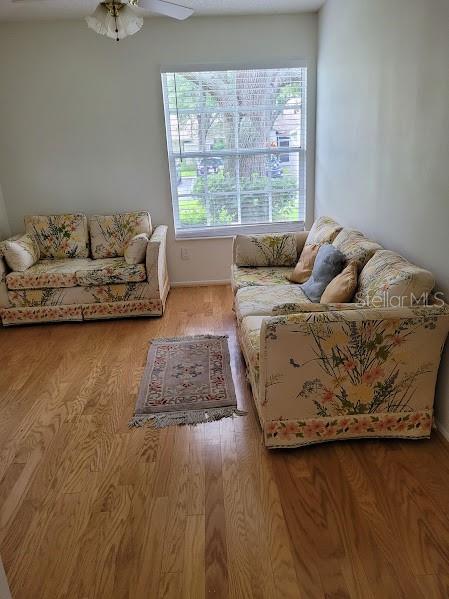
(231, 231)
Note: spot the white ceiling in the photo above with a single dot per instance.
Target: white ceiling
(27, 10)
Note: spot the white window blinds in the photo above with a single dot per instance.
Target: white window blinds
(237, 149)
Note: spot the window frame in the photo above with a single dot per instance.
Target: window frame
(226, 231)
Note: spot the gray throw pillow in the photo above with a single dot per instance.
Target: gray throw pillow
(328, 264)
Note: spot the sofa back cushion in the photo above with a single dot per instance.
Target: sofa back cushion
(390, 280)
(324, 230)
(110, 234)
(355, 246)
(276, 249)
(60, 235)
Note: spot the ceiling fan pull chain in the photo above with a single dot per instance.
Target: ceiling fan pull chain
(115, 19)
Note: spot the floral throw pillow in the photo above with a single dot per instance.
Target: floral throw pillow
(20, 253)
(60, 235)
(110, 234)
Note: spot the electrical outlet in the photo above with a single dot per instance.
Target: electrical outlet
(185, 254)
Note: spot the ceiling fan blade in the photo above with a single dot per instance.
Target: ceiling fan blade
(167, 9)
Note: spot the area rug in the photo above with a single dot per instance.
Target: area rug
(187, 380)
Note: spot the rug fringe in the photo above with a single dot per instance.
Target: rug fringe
(188, 338)
(191, 417)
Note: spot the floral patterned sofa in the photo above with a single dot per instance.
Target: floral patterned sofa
(322, 372)
(82, 273)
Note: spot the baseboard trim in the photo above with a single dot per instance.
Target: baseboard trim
(200, 283)
(443, 430)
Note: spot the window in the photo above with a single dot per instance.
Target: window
(237, 149)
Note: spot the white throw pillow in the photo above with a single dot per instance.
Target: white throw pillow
(136, 249)
(21, 253)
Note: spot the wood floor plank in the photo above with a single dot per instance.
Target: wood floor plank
(70, 521)
(150, 571)
(132, 555)
(236, 534)
(216, 561)
(196, 491)
(433, 587)
(105, 528)
(52, 405)
(17, 493)
(164, 461)
(90, 508)
(424, 470)
(389, 563)
(58, 512)
(257, 546)
(150, 446)
(13, 390)
(279, 541)
(192, 583)
(170, 586)
(363, 518)
(177, 493)
(420, 524)
(318, 535)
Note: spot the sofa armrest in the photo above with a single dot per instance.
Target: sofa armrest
(301, 238)
(156, 263)
(4, 270)
(358, 361)
(4, 300)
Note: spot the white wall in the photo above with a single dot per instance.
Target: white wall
(382, 154)
(82, 123)
(5, 229)
(4, 588)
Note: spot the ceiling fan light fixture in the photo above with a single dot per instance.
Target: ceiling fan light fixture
(116, 20)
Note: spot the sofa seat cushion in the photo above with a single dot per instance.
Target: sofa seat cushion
(250, 340)
(242, 276)
(47, 273)
(260, 301)
(60, 235)
(390, 280)
(110, 234)
(63, 296)
(74, 272)
(110, 270)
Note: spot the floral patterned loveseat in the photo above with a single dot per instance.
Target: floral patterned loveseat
(322, 372)
(82, 273)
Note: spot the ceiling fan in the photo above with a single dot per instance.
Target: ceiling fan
(117, 18)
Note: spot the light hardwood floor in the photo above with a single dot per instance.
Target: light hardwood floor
(89, 508)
